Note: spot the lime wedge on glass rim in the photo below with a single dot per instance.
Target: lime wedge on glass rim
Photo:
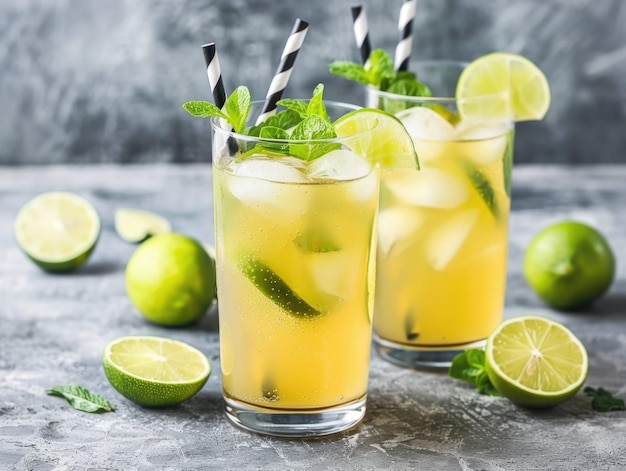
(155, 371)
(510, 86)
(535, 362)
(388, 144)
(57, 230)
(134, 225)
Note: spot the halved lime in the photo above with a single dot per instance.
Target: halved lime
(510, 86)
(57, 230)
(135, 226)
(155, 371)
(535, 362)
(388, 144)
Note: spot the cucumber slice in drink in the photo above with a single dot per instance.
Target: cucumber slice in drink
(276, 289)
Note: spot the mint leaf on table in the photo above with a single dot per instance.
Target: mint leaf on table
(604, 401)
(81, 399)
(470, 366)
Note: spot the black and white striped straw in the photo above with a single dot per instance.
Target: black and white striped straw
(214, 73)
(283, 72)
(405, 27)
(361, 32)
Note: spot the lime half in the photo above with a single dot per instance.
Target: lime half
(510, 86)
(154, 371)
(388, 144)
(135, 226)
(535, 362)
(57, 230)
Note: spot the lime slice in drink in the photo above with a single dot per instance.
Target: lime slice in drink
(135, 226)
(276, 289)
(535, 362)
(154, 371)
(57, 230)
(387, 145)
(491, 77)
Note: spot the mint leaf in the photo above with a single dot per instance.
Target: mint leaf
(409, 87)
(296, 106)
(273, 132)
(470, 366)
(284, 119)
(81, 399)
(316, 105)
(312, 128)
(349, 70)
(379, 68)
(238, 108)
(203, 109)
(604, 401)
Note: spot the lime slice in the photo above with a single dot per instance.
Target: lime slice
(510, 85)
(483, 187)
(57, 230)
(135, 226)
(535, 362)
(276, 289)
(387, 145)
(154, 371)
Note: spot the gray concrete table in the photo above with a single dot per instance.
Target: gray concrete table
(53, 329)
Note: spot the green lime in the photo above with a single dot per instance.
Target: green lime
(135, 226)
(154, 371)
(511, 87)
(535, 362)
(170, 278)
(388, 144)
(569, 265)
(57, 230)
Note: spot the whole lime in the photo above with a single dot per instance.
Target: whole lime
(170, 279)
(569, 265)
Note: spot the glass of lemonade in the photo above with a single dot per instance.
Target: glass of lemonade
(295, 245)
(442, 230)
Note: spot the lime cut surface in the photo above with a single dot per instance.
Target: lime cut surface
(388, 144)
(154, 371)
(535, 362)
(57, 230)
(135, 226)
(510, 85)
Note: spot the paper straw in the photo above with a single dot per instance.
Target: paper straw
(361, 32)
(214, 73)
(281, 77)
(405, 27)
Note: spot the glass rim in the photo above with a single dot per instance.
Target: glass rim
(349, 107)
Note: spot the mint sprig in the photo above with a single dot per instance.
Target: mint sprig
(604, 401)
(81, 399)
(470, 366)
(237, 109)
(379, 72)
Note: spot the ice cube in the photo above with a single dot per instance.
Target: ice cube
(448, 238)
(429, 187)
(339, 164)
(330, 274)
(262, 189)
(397, 228)
(424, 123)
(482, 143)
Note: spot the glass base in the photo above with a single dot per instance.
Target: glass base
(421, 357)
(295, 423)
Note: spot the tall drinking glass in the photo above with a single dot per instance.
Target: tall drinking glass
(295, 243)
(442, 230)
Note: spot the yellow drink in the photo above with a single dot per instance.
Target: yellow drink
(307, 235)
(441, 263)
(295, 256)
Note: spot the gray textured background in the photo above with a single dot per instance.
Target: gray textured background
(90, 81)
